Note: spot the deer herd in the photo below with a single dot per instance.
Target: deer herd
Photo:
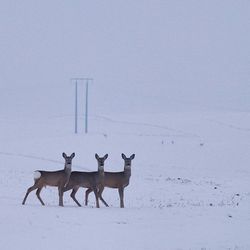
(96, 181)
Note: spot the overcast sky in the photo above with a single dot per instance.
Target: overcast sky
(143, 55)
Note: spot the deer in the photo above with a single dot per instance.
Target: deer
(91, 180)
(118, 180)
(58, 179)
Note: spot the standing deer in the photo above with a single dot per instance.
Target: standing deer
(118, 180)
(91, 180)
(58, 179)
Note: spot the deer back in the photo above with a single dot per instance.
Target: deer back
(51, 178)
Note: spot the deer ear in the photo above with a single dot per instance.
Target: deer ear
(132, 156)
(106, 156)
(123, 156)
(64, 155)
(96, 156)
(72, 155)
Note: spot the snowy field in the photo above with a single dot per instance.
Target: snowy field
(189, 187)
(170, 85)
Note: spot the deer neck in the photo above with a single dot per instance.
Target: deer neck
(67, 169)
(127, 170)
(101, 170)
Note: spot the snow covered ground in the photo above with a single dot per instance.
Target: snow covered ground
(189, 187)
(171, 84)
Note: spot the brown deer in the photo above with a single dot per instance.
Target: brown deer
(118, 180)
(58, 179)
(91, 180)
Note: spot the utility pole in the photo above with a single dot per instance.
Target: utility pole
(87, 81)
(86, 104)
(76, 106)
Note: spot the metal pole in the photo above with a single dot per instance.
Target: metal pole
(86, 106)
(87, 81)
(76, 108)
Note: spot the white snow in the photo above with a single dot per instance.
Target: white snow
(189, 187)
(171, 85)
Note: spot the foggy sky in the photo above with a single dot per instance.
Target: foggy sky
(144, 56)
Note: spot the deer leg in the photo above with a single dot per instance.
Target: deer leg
(100, 196)
(28, 191)
(60, 192)
(96, 197)
(67, 188)
(73, 193)
(88, 191)
(121, 194)
(38, 191)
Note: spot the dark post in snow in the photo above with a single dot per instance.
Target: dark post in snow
(86, 80)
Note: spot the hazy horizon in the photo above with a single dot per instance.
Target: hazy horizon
(144, 56)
